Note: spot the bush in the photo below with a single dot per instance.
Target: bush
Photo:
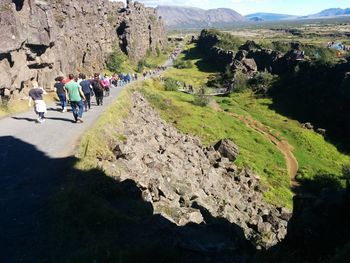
(200, 99)
(170, 84)
(115, 59)
(141, 66)
(181, 64)
(262, 82)
(240, 81)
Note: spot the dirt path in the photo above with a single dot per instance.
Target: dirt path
(282, 145)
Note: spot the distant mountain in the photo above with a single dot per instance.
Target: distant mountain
(268, 17)
(190, 17)
(332, 12)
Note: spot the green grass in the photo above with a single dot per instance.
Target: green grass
(196, 76)
(314, 154)
(256, 151)
(98, 141)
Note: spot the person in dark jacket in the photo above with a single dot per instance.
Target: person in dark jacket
(59, 88)
(97, 87)
(87, 90)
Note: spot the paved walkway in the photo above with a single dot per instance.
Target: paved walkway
(33, 158)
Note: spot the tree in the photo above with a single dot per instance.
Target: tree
(115, 59)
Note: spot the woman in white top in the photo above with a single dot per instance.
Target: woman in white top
(36, 95)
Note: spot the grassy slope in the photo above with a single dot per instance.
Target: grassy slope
(314, 154)
(96, 143)
(196, 76)
(255, 150)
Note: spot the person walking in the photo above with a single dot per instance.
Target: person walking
(59, 88)
(106, 85)
(75, 95)
(36, 95)
(87, 90)
(97, 87)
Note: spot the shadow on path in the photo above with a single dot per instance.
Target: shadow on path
(47, 118)
(24, 119)
(51, 211)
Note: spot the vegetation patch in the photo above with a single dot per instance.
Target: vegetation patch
(314, 154)
(210, 125)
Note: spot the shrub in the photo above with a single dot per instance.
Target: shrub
(170, 84)
(240, 81)
(115, 59)
(200, 99)
(181, 64)
(262, 82)
(141, 66)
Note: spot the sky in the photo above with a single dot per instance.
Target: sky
(244, 7)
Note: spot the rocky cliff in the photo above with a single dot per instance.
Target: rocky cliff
(43, 39)
(189, 184)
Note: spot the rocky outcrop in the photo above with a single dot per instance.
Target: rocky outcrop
(185, 182)
(43, 39)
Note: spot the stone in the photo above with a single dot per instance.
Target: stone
(250, 64)
(321, 131)
(227, 149)
(308, 126)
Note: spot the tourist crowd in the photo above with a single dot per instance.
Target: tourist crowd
(78, 90)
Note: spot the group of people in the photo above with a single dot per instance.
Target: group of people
(77, 90)
(338, 46)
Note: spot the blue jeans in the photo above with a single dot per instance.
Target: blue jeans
(63, 100)
(77, 109)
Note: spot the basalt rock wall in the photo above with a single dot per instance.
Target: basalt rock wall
(207, 43)
(43, 39)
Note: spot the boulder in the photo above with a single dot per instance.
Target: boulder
(249, 45)
(227, 149)
(308, 126)
(321, 131)
(250, 64)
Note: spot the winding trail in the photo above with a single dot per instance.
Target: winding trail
(282, 144)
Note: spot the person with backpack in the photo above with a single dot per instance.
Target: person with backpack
(75, 95)
(36, 95)
(97, 87)
(87, 90)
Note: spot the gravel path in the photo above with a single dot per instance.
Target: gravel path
(33, 158)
